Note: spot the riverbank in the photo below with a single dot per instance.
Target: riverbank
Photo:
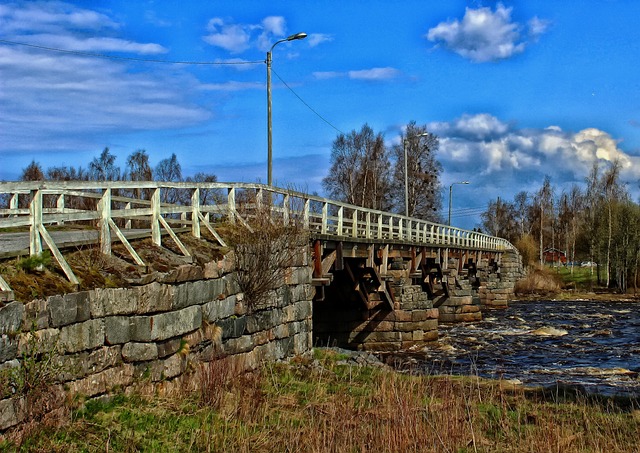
(328, 402)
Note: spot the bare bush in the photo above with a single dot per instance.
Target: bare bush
(267, 241)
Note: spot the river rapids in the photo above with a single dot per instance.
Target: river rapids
(593, 346)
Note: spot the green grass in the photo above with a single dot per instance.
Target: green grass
(582, 277)
(309, 408)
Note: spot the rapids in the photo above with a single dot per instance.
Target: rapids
(594, 346)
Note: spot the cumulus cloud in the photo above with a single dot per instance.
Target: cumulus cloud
(237, 37)
(504, 159)
(232, 37)
(484, 35)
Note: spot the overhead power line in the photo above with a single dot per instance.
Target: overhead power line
(116, 57)
(305, 103)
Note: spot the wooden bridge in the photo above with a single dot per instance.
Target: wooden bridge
(337, 229)
(373, 259)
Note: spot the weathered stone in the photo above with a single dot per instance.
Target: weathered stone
(45, 340)
(117, 330)
(80, 365)
(11, 318)
(166, 325)
(7, 296)
(83, 306)
(192, 293)
(169, 347)
(233, 327)
(303, 310)
(138, 352)
(263, 320)
(99, 383)
(113, 301)
(238, 345)
(154, 298)
(11, 412)
(8, 348)
(63, 311)
(231, 284)
(82, 336)
(219, 268)
(219, 309)
(36, 315)
(184, 273)
(173, 366)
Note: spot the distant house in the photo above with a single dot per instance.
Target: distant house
(552, 255)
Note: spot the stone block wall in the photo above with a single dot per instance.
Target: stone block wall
(497, 288)
(147, 336)
(349, 325)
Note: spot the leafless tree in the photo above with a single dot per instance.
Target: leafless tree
(423, 172)
(359, 172)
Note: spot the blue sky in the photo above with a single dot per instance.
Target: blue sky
(514, 90)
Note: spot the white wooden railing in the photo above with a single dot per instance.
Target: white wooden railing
(112, 206)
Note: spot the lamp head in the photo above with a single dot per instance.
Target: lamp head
(300, 35)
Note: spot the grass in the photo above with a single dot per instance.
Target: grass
(317, 405)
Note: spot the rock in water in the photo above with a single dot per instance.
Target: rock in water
(549, 332)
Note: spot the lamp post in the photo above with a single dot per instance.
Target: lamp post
(406, 172)
(450, 197)
(269, 142)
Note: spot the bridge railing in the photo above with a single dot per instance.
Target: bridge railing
(114, 206)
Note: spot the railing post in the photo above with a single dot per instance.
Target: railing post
(156, 237)
(368, 232)
(35, 212)
(390, 227)
(60, 207)
(354, 221)
(285, 209)
(127, 223)
(231, 205)
(104, 209)
(305, 216)
(325, 217)
(195, 212)
(379, 226)
(340, 221)
(13, 203)
(259, 199)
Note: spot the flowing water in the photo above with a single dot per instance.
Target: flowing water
(594, 346)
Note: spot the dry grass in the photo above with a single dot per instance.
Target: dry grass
(540, 281)
(324, 407)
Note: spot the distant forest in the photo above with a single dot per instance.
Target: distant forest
(596, 222)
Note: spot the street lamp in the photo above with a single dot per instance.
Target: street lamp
(269, 142)
(450, 192)
(406, 173)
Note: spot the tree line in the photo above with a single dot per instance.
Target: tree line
(104, 168)
(596, 221)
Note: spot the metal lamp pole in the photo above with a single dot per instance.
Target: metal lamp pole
(406, 172)
(269, 140)
(450, 197)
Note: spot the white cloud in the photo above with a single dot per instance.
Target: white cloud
(485, 35)
(315, 39)
(374, 74)
(502, 160)
(237, 38)
(232, 37)
(68, 102)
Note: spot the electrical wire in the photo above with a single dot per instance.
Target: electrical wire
(115, 57)
(305, 103)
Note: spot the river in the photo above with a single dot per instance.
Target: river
(594, 346)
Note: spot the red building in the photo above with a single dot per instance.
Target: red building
(552, 255)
